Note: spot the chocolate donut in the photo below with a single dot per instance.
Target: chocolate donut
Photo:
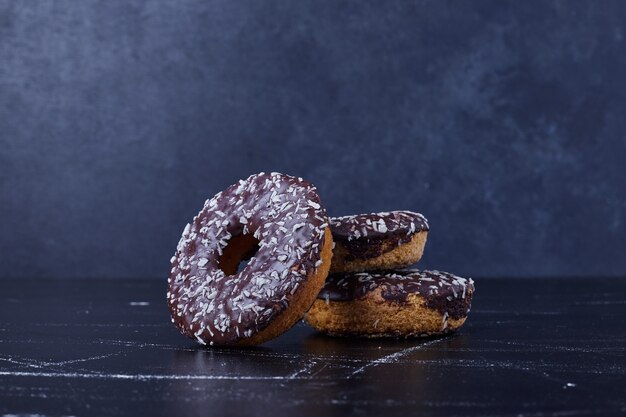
(278, 224)
(392, 304)
(377, 241)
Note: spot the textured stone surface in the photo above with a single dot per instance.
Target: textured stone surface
(548, 349)
(502, 122)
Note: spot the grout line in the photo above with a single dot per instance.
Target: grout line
(140, 377)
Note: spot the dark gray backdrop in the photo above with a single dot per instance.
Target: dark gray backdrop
(502, 122)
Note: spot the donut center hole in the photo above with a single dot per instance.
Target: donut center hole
(237, 253)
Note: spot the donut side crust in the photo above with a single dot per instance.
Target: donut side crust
(373, 316)
(393, 256)
(301, 301)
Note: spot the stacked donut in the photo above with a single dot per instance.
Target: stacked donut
(367, 293)
(257, 257)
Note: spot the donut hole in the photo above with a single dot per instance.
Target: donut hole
(237, 253)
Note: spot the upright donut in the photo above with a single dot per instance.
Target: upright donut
(278, 223)
(377, 241)
(392, 304)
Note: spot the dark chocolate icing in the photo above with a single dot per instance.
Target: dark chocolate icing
(442, 291)
(367, 235)
(285, 215)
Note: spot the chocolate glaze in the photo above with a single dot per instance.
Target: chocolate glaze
(442, 291)
(285, 215)
(368, 235)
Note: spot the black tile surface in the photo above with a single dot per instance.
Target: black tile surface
(106, 347)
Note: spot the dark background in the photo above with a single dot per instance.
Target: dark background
(503, 122)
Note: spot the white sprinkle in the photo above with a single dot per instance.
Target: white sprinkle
(444, 322)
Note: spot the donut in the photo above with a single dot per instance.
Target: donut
(377, 241)
(391, 304)
(277, 224)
